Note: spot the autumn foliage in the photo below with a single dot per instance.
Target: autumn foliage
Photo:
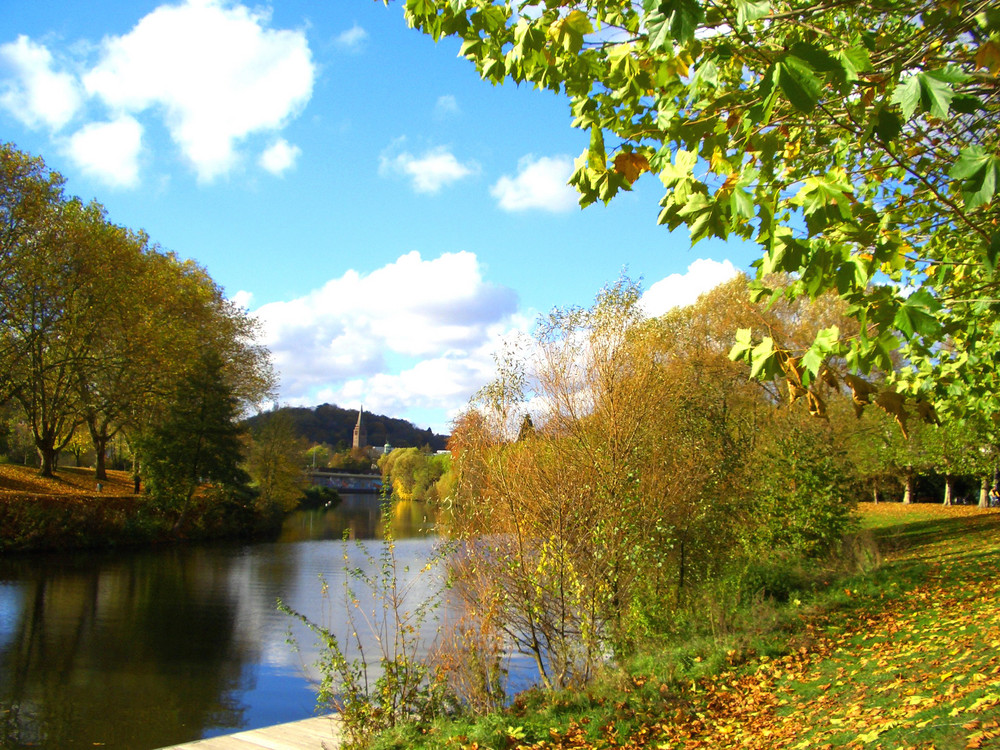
(904, 655)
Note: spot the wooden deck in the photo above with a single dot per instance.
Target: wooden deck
(309, 734)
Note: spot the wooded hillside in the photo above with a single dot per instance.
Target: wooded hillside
(333, 425)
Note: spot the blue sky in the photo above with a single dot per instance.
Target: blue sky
(387, 215)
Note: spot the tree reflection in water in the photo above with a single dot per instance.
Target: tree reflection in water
(143, 649)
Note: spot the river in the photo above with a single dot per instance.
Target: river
(140, 649)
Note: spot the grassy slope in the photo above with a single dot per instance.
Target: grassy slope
(909, 658)
(905, 656)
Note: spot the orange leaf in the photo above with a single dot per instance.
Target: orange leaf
(631, 165)
(988, 57)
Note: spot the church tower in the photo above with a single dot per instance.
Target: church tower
(360, 433)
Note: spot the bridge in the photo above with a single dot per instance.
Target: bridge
(344, 482)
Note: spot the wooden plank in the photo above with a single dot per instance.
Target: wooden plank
(308, 734)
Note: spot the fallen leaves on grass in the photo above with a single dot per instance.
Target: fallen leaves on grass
(68, 481)
(917, 670)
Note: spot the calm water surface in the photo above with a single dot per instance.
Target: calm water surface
(138, 650)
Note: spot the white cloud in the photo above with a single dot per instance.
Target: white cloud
(446, 106)
(442, 384)
(242, 298)
(539, 184)
(336, 343)
(279, 157)
(216, 72)
(434, 169)
(108, 151)
(353, 39)
(679, 290)
(34, 93)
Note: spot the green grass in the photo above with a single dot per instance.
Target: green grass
(902, 653)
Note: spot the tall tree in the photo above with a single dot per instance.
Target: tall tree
(275, 458)
(53, 308)
(857, 144)
(30, 198)
(197, 439)
(109, 381)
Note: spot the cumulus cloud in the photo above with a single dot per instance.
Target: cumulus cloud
(352, 40)
(428, 173)
(336, 343)
(279, 157)
(679, 290)
(33, 91)
(216, 72)
(539, 184)
(109, 151)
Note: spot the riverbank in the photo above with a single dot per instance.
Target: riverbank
(901, 653)
(72, 511)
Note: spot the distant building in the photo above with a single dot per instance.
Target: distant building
(360, 433)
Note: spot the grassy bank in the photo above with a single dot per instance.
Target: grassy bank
(904, 652)
(70, 511)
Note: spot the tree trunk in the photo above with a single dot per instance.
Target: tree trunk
(47, 459)
(949, 489)
(908, 491)
(984, 492)
(101, 460)
(875, 494)
(99, 437)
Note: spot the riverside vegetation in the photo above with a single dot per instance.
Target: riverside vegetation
(654, 529)
(892, 649)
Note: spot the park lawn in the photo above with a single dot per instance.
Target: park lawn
(24, 480)
(904, 655)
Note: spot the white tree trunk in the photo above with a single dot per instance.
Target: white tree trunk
(908, 491)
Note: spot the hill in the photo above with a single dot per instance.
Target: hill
(334, 426)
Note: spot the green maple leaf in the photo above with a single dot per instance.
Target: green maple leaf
(764, 362)
(827, 342)
(568, 32)
(672, 21)
(932, 92)
(980, 173)
(743, 345)
(798, 82)
(748, 11)
(917, 315)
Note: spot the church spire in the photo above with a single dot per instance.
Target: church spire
(360, 433)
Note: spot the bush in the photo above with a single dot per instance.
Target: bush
(398, 686)
(802, 503)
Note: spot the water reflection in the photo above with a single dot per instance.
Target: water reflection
(150, 648)
(359, 517)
